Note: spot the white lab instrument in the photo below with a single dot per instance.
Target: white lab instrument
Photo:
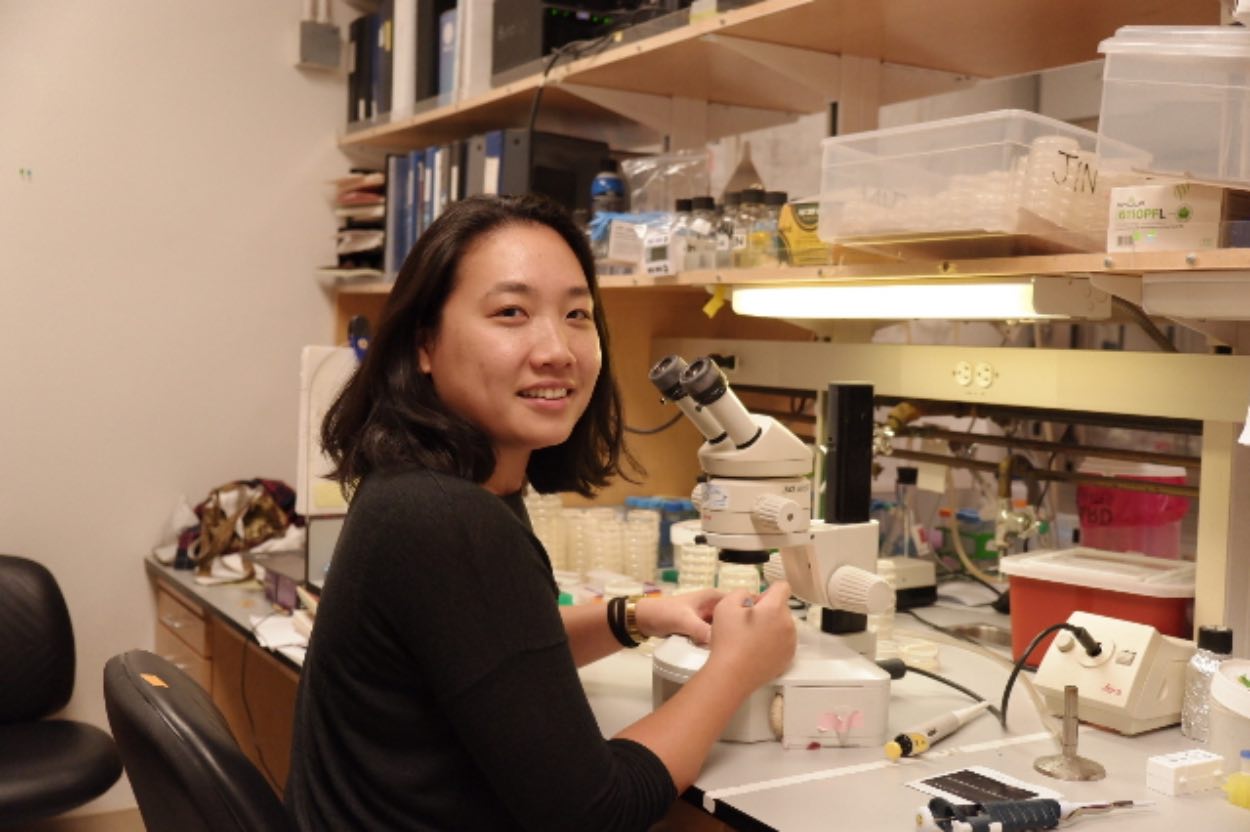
(1133, 685)
(758, 497)
(323, 373)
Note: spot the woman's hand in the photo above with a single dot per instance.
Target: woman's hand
(688, 614)
(753, 636)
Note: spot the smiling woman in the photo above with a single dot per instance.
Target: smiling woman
(516, 351)
(440, 688)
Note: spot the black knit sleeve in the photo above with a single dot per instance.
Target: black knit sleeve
(530, 729)
(487, 640)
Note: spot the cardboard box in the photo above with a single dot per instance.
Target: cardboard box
(1176, 217)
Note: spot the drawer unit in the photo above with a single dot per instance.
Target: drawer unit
(172, 648)
(183, 621)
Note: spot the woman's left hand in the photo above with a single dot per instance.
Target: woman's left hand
(689, 614)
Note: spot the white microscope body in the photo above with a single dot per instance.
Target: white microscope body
(757, 498)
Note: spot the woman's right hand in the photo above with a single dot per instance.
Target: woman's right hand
(753, 637)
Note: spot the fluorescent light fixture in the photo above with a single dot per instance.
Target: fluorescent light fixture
(1031, 298)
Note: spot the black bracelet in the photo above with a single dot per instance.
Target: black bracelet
(616, 621)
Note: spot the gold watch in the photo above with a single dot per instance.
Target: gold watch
(631, 618)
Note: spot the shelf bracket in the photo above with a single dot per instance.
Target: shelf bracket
(1123, 286)
(671, 115)
(820, 73)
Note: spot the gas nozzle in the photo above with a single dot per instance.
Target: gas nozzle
(707, 385)
(666, 376)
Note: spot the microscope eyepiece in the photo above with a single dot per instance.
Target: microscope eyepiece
(666, 376)
(704, 381)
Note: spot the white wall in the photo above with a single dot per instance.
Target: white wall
(156, 281)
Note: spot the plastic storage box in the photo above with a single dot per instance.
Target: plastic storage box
(1008, 172)
(1047, 587)
(1132, 521)
(1181, 94)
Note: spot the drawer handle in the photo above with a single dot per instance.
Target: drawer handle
(173, 623)
(174, 661)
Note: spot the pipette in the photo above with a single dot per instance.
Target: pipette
(917, 740)
(1010, 815)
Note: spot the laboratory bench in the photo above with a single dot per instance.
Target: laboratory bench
(757, 786)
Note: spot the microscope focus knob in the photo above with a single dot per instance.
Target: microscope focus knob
(858, 590)
(776, 512)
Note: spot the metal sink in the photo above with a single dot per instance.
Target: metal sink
(988, 634)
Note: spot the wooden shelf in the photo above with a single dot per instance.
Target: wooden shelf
(1115, 265)
(703, 60)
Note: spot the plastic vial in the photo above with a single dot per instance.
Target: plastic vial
(725, 230)
(701, 240)
(1214, 645)
(750, 205)
(607, 196)
(763, 242)
(904, 498)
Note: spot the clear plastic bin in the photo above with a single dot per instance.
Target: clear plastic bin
(1004, 172)
(1181, 95)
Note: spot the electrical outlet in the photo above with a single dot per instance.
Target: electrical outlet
(984, 374)
(963, 373)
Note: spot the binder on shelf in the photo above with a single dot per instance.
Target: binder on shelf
(404, 54)
(428, 14)
(475, 165)
(459, 156)
(359, 70)
(416, 224)
(474, 36)
(384, 58)
(427, 190)
(373, 59)
(447, 57)
(396, 195)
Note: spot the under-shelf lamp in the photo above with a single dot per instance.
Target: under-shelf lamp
(1017, 299)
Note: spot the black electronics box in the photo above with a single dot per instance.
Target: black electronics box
(526, 31)
(559, 167)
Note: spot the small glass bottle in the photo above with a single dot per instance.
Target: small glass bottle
(725, 230)
(701, 241)
(749, 207)
(1214, 645)
(763, 241)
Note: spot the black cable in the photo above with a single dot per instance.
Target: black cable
(946, 631)
(998, 593)
(897, 669)
(247, 707)
(937, 677)
(655, 430)
(1090, 646)
(579, 49)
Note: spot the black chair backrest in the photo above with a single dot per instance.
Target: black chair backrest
(187, 771)
(36, 642)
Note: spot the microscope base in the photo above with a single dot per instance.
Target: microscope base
(829, 696)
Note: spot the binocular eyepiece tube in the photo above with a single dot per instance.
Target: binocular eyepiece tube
(703, 393)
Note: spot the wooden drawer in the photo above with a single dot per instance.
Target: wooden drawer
(184, 621)
(170, 646)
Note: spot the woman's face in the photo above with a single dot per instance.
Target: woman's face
(516, 352)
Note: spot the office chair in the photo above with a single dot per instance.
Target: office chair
(47, 766)
(187, 771)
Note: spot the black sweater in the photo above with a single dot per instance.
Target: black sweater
(439, 691)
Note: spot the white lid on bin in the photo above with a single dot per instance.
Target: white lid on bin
(1187, 41)
(1098, 569)
(1127, 468)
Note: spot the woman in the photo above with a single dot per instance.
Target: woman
(440, 689)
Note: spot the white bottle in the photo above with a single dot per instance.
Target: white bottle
(1214, 645)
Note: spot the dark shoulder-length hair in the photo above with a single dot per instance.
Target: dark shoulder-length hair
(389, 416)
